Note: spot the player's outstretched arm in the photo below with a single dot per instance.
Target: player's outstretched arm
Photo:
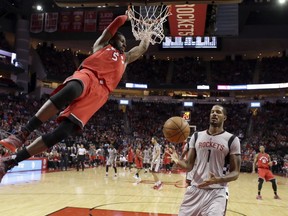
(109, 32)
(255, 163)
(137, 51)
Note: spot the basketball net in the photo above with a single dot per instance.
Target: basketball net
(148, 20)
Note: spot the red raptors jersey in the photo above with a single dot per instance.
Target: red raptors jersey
(167, 157)
(130, 155)
(108, 64)
(263, 160)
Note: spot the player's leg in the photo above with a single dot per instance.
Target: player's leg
(261, 178)
(260, 184)
(138, 167)
(157, 182)
(154, 170)
(83, 162)
(191, 201)
(130, 166)
(155, 176)
(216, 203)
(107, 166)
(137, 174)
(66, 95)
(151, 170)
(42, 143)
(270, 177)
(167, 166)
(78, 163)
(274, 186)
(115, 169)
(145, 166)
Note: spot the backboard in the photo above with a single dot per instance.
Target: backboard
(107, 3)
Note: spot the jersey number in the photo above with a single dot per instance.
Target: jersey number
(115, 56)
(209, 153)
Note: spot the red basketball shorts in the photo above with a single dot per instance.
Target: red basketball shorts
(138, 163)
(95, 94)
(265, 174)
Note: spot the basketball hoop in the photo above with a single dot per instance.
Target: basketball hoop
(148, 20)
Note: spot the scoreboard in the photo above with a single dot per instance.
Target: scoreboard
(190, 42)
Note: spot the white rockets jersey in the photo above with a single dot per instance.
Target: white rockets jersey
(156, 148)
(210, 155)
(112, 154)
(147, 154)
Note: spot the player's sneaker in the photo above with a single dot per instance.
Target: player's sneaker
(159, 187)
(6, 163)
(259, 197)
(276, 197)
(136, 176)
(14, 141)
(139, 180)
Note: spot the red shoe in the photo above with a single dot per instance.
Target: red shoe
(6, 163)
(13, 142)
(259, 197)
(276, 197)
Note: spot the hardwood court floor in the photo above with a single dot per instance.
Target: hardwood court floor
(38, 194)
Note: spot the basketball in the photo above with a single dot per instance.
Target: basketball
(176, 129)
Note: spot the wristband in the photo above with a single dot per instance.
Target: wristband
(116, 23)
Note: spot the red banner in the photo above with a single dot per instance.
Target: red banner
(36, 22)
(90, 21)
(104, 19)
(188, 20)
(51, 22)
(65, 21)
(77, 23)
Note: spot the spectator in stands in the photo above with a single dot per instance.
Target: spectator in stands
(85, 91)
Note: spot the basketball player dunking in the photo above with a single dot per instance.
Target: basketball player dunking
(85, 92)
(207, 194)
